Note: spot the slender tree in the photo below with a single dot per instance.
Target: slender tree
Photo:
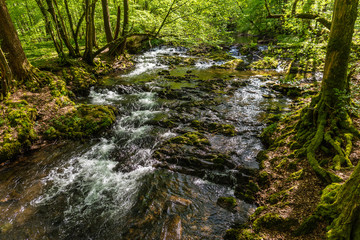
(89, 40)
(106, 17)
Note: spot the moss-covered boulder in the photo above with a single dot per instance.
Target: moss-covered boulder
(217, 128)
(84, 121)
(19, 134)
(247, 192)
(265, 63)
(236, 64)
(241, 234)
(273, 221)
(228, 203)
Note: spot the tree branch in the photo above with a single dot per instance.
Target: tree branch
(310, 16)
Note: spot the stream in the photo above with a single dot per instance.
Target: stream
(128, 183)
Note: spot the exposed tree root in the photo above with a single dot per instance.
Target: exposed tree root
(321, 128)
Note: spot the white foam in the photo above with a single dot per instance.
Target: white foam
(105, 96)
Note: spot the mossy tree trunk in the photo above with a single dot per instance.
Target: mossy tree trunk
(20, 67)
(326, 122)
(347, 205)
(6, 75)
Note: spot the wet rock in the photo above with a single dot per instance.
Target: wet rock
(172, 229)
(287, 89)
(236, 64)
(218, 128)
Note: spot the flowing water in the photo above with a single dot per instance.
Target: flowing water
(110, 188)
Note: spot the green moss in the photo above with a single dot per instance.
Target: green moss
(228, 203)
(190, 138)
(9, 150)
(328, 194)
(263, 178)
(237, 64)
(296, 175)
(217, 128)
(268, 133)
(278, 197)
(241, 234)
(247, 192)
(272, 221)
(265, 63)
(5, 227)
(85, 121)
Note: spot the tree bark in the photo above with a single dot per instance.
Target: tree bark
(60, 27)
(106, 17)
(89, 39)
(338, 51)
(71, 24)
(6, 75)
(11, 45)
(315, 17)
(118, 20)
(57, 44)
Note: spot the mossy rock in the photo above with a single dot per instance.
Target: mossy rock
(263, 178)
(241, 234)
(268, 133)
(190, 138)
(217, 128)
(9, 151)
(247, 192)
(274, 222)
(85, 121)
(265, 63)
(236, 64)
(228, 203)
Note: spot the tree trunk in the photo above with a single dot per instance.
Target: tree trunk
(11, 45)
(89, 39)
(6, 75)
(57, 44)
(60, 27)
(118, 20)
(107, 25)
(338, 51)
(326, 121)
(71, 24)
(126, 18)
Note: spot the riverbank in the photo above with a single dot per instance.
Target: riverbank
(42, 112)
(290, 191)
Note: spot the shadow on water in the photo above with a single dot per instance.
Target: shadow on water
(108, 188)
